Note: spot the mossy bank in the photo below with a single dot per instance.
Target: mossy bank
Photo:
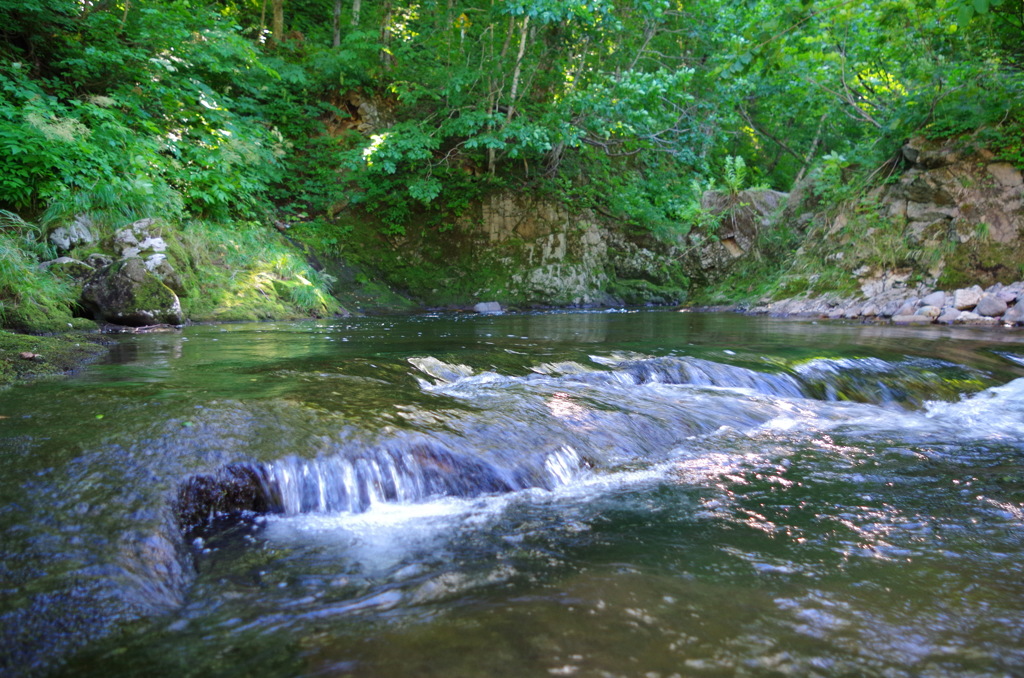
(25, 356)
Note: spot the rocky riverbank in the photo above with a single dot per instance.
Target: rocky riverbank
(996, 305)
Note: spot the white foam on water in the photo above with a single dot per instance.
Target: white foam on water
(390, 534)
(996, 412)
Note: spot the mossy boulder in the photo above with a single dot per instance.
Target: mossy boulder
(71, 268)
(126, 293)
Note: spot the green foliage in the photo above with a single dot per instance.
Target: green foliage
(187, 110)
(30, 299)
(735, 175)
(830, 184)
(130, 115)
(247, 273)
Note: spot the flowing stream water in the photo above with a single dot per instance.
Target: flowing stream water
(647, 494)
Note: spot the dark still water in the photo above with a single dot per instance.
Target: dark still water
(646, 494)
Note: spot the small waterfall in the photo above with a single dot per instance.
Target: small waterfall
(697, 372)
(398, 471)
(543, 429)
(866, 380)
(910, 383)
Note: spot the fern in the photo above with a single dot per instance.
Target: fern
(735, 174)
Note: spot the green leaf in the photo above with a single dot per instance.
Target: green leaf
(964, 15)
(425, 190)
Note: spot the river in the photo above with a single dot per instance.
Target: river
(646, 494)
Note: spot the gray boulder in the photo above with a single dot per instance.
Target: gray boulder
(934, 299)
(891, 308)
(158, 265)
(966, 299)
(81, 231)
(991, 306)
(139, 238)
(1007, 295)
(971, 318)
(1015, 315)
(125, 293)
(142, 239)
(488, 307)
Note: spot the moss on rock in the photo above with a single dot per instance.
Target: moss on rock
(25, 356)
(982, 263)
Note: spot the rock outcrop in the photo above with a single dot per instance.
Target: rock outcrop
(81, 231)
(142, 239)
(962, 211)
(951, 190)
(134, 285)
(740, 218)
(544, 254)
(127, 293)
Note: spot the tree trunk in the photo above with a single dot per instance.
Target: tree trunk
(336, 24)
(278, 26)
(356, 5)
(519, 67)
(814, 147)
(386, 59)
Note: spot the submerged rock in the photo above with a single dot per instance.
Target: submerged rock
(232, 489)
(126, 293)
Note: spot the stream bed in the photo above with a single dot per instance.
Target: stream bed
(593, 494)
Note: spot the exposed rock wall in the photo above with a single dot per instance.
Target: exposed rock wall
(961, 208)
(957, 215)
(552, 255)
(739, 218)
(948, 192)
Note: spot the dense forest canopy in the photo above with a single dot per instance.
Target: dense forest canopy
(252, 111)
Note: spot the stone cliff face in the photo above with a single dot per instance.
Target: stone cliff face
(739, 218)
(556, 257)
(961, 202)
(948, 192)
(545, 254)
(952, 217)
(942, 243)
